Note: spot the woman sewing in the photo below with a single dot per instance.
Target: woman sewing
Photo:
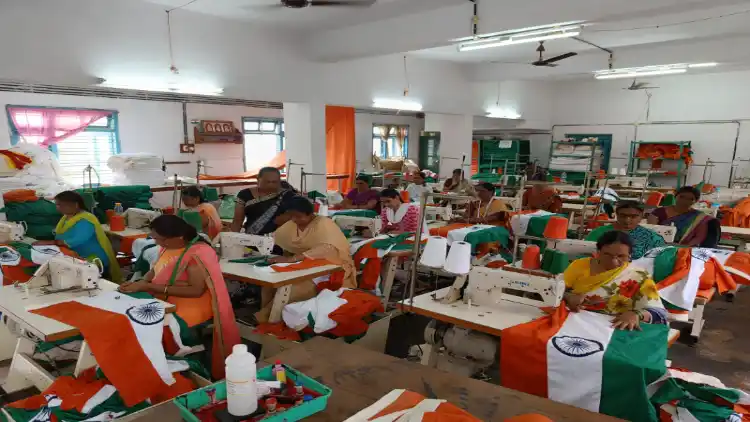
(458, 184)
(260, 210)
(399, 217)
(308, 236)
(188, 275)
(80, 231)
(610, 284)
(629, 216)
(541, 197)
(692, 224)
(192, 198)
(362, 197)
(488, 209)
(418, 186)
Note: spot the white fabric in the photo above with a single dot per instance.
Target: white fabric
(416, 191)
(520, 223)
(320, 307)
(587, 371)
(414, 414)
(395, 217)
(100, 397)
(42, 254)
(459, 235)
(174, 329)
(149, 336)
(10, 257)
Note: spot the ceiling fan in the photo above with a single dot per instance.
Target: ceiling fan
(551, 61)
(638, 86)
(299, 4)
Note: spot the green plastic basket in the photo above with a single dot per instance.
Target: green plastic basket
(198, 398)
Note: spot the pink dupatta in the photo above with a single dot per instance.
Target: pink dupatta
(226, 333)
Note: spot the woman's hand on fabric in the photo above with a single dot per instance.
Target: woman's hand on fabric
(628, 321)
(134, 287)
(574, 301)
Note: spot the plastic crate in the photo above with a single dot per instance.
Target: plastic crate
(199, 398)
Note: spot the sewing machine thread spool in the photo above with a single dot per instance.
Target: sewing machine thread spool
(557, 228)
(531, 258)
(459, 258)
(434, 252)
(117, 223)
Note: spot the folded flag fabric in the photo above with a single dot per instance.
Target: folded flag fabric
(368, 255)
(125, 335)
(530, 223)
(680, 273)
(305, 264)
(340, 313)
(474, 234)
(352, 213)
(404, 405)
(579, 359)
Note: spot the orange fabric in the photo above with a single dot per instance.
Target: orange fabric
(194, 310)
(372, 268)
(350, 318)
(741, 262)
(340, 145)
(104, 332)
(19, 161)
(707, 294)
(496, 264)
(279, 162)
(546, 200)
(714, 274)
(211, 219)
(661, 151)
(305, 264)
(23, 272)
(126, 243)
(680, 269)
(527, 343)
(181, 386)
(654, 199)
(448, 412)
(405, 401)
(278, 330)
(443, 231)
(529, 418)
(738, 216)
(20, 195)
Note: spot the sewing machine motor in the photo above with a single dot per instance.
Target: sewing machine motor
(233, 245)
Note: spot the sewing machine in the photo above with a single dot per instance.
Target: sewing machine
(138, 218)
(433, 213)
(504, 291)
(63, 273)
(346, 222)
(573, 247)
(233, 244)
(11, 232)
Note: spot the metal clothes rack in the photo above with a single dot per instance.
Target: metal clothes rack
(683, 168)
(596, 150)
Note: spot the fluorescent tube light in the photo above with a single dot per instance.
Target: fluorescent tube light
(521, 36)
(405, 105)
(503, 113)
(163, 86)
(640, 74)
(712, 64)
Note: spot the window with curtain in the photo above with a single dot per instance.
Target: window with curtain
(264, 138)
(390, 141)
(78, 137)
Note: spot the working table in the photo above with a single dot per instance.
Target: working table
(736, 232)
(14, 307)
(360, 377)
(128, 232)
(281, 281)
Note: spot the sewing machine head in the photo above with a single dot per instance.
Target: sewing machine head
(433, 213)
(11, 232)
(64, 272)
(138, 218)
(233, 244)
(491, 287)
(345, 222)
(574, 248)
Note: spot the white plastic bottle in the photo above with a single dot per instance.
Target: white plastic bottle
(242, 396)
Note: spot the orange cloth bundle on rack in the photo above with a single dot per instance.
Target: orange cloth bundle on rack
(665, 151)
(20, 195)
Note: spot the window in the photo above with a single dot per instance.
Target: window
(395, 144)
(91, 146)
(264, 138)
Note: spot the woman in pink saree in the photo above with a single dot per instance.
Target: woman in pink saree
(188, 275)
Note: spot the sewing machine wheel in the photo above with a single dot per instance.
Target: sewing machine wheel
(435, 332)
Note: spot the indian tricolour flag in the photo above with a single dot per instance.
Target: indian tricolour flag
(579, 359)
(404, 405)
(125, 336)
(530, 223)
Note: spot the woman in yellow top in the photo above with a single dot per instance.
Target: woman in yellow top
(307, 235)
(80, 231)
(610, 284)
(188, 275)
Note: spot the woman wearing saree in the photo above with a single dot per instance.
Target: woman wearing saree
(542, 197)
(629, 215)
(81, 232)
(192, 198)
(488, 209)
(692, 224)
(308, 236)
(610, 284)
(260, 210)
(188, 275)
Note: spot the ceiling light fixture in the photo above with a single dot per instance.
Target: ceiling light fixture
(635, 72)
(520, 36)
(397, 104)
(161, 86)
(503, 113)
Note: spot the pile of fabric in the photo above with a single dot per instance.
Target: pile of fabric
(657, 152)
(575, 157)
(581, 360)
(136, 169)
(28, 166)
(737, 215)
(105, 198)
(40, 215)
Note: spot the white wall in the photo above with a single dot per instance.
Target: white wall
(685, 98)
(363, 132)
(455, 139)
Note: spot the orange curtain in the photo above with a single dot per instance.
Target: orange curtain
(340, 145)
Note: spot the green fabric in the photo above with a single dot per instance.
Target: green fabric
(395, 242)
(632, 361)
(315, 195)
(668, 200)
(40, 216)
(226, 207)
(700, 400)
(664, 264)
(355, 213)
(194, 219)
(210, 194)
(489, 235)
(112, 404)
(46, 346)
(136, 196)
(255, 260)
(537, 224)
(554, 261)
(141, 265)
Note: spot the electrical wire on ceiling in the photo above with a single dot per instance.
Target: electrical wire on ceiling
(406, 78)
(742, 12)
(172, 67)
